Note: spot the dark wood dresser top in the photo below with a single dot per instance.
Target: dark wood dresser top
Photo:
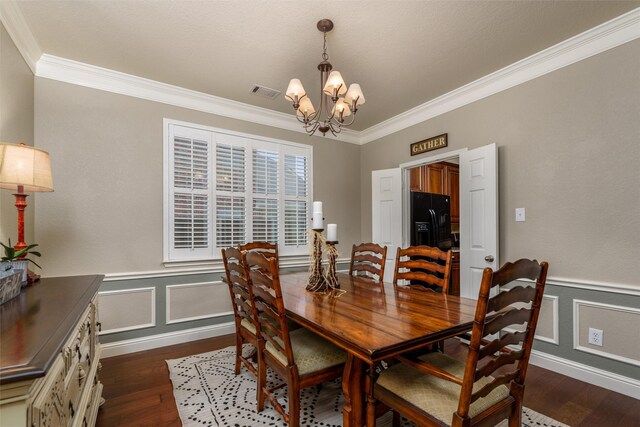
(35, 324)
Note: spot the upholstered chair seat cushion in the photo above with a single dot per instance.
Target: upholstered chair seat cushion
(311, 353)
(246, 323)
(436, 396)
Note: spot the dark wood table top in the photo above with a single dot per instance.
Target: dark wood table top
(375, 321)
(35, 325)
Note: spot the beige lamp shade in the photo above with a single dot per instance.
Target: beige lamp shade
(341, 107)
(295, 91)
(335, 83)
(354, 93)
(23, 165)
(306, 108)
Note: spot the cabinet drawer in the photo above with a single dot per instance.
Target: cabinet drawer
(73, 348)
(74, 386)
(48, 408)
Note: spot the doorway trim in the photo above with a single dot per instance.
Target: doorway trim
(404, 171)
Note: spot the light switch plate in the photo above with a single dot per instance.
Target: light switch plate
(519, 214)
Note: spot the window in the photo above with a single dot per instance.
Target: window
(224, 189)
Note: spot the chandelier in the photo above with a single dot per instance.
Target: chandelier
(336, 102)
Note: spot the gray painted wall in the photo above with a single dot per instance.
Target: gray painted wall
(160, 284)
(16, 125)
(106, 213)
(569, 150)
(565, 322)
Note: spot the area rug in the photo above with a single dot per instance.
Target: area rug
(208, 393)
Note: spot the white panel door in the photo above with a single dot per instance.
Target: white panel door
(386, 215)
(478, 216)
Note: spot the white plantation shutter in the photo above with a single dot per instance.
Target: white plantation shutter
(225, 189)
(265, 195)
(296, 199)
(190, 226)
(230, 195)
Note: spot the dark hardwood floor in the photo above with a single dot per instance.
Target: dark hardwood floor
(138, 391)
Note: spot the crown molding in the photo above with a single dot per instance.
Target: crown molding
(17, 27)
(78, 73)
(608, 35)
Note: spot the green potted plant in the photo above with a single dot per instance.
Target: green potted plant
(18, 259)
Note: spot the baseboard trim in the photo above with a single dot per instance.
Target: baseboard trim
(162, 340)
(589, 374)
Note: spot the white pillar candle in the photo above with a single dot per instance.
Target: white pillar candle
(332, 232)
(317, 216)
(318, 223)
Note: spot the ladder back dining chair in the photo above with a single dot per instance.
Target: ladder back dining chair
(368, 259)
(436, 390)
(299, 357)
(269, 250)
(423, 265)
(246, 330)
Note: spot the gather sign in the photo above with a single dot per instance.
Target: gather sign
(429, 144)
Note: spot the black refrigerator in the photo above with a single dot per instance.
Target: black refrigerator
(431, 220)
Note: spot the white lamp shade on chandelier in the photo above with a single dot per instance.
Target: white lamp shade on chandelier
(354, 94)
(341, 108)
(337, 100)
(335, 84)
(306, 108)
(295, 91)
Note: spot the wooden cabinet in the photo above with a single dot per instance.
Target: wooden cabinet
(50, 354)
(454, 284)
(435, 178)
(439, 178)
(453, 190)
(415, 179)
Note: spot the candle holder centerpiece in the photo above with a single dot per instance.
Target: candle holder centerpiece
(317, 282)
(332, 253)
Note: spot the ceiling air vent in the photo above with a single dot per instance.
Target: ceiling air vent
(265, 92)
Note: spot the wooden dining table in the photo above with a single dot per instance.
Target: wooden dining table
(372, 322)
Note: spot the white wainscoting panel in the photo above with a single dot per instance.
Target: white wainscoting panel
(618, 323)
(162, 340)
(195, 301)
(127, 309)
(547, 329)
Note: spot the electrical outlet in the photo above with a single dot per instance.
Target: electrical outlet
(596, 336)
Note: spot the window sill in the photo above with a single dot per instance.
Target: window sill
(286, 261)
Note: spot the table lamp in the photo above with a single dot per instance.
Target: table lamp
(24, 168)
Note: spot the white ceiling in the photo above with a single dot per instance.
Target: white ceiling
(403, 53)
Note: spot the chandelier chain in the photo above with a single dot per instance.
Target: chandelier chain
(324, 48)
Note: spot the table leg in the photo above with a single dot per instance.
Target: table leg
(352, 380)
